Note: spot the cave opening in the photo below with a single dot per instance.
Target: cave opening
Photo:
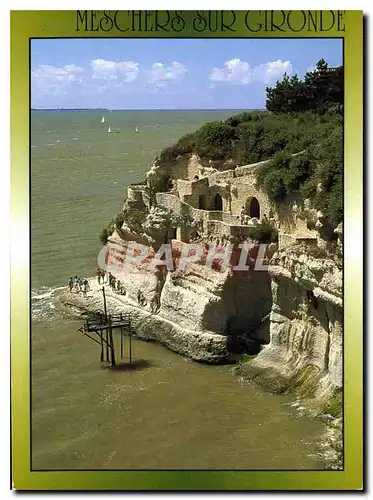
(218, 202)
(253, 207)
(312, 299)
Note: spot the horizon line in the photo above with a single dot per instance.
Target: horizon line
(147, 109)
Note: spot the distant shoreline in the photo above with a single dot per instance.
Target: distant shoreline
(145, 110)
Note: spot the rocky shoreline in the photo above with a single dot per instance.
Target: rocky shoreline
(199, 346)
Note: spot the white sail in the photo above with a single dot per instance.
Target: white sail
(103, 119)
(137, 130)
(109, 129)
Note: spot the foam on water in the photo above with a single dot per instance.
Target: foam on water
(42, 303)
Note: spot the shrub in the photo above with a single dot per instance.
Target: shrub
(119, 220)
(107, 231)
(264, 232)
(271, 177)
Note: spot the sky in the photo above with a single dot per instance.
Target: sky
(168, 73)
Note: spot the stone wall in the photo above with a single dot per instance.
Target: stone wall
(173, 202)
(226, 175)
(236, 188)
(192, 189)
(243, 189)
(215, 224)
(248, 169)
(182, 168)
(202, 194)
(285, 239)
(136, 198)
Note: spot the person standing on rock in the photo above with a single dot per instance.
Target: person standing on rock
(85, 288)
(76, 284)
(71, 284)
(243, 213)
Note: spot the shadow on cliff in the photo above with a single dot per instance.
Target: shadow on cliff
(242, 312)
(126, 366)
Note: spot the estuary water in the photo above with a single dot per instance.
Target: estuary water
(167, 412)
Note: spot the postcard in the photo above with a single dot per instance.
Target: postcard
(187, 220)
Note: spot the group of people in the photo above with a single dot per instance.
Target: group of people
(78, 285)
(247, 220)
(114, 283)
(101, 275)
(154, 303)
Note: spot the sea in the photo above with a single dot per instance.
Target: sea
(169, 412)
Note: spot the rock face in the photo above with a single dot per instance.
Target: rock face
(206, 314)
(306, 331)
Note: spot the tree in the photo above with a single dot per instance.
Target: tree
(320, 89)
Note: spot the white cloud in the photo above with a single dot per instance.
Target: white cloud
(161, 74)
(46, 75)
(123, 71)
(102, 78)
(54, 80)
(240, 72)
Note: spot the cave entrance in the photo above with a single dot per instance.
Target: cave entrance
(312, 299)
(218, 202)
(252, 207)
(202, 202)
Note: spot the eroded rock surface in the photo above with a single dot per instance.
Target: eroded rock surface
(305, 352)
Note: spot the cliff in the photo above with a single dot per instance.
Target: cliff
(208, 315)
(305, 352)
(289, 315)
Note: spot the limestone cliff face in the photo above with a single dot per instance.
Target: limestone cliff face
(306, 326)
(209, 315)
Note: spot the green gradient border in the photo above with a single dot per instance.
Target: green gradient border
(28, 24)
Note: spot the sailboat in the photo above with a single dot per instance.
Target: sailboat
(109, 130)
(137, 130)
(103, 119)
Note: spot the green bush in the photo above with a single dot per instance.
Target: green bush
(119, 220)
(107, 231)
(264, 232)
(184, 146)
(271, 177)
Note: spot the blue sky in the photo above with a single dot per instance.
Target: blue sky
(168, 73)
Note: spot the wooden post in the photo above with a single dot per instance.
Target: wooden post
(130, 335)
(121, 342)
(102, 346)
(105, 310)
(112, 348)
(107, 344)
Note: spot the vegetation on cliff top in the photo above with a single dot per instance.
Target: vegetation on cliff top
(114, 224)
(302, 115)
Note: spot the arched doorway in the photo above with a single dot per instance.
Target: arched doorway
(218, 202)
(252, 207)
(202, 202)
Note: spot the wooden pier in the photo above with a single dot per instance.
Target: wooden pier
(99, 328)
